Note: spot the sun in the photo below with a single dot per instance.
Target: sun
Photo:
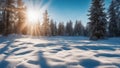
(35, 10)
(33, 16)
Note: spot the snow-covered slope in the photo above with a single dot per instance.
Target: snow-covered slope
(58, 52)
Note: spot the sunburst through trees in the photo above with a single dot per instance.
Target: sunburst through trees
(30, 17)
(16, 17)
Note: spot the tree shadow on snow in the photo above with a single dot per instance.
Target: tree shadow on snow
(63, 46)
(7, 42)
(95, 48)
(89, 63)
(107, 55)
(42, 61)
(4, 64)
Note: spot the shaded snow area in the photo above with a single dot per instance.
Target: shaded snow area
(58, 52)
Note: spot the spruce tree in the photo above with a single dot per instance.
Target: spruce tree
(1, 16)
(20, 25)
(117, 8)
(53, 28)
(61, 29)
(46, 25)
(78, 29)
(98, 20)
(113, 27)
(69, 28)
(1, 27)
(87, 30)
(8, 16)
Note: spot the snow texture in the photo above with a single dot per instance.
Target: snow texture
(58, 52)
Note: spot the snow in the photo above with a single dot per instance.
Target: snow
(58, 52)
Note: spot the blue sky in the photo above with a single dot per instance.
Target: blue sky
(65, 10)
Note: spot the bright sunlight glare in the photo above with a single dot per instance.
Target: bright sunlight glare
(35, 11)
(33, 16)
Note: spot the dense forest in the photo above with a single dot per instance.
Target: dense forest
(101, 24)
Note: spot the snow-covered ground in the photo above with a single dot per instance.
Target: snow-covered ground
(58, 52)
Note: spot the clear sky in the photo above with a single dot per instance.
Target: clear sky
(65, 10)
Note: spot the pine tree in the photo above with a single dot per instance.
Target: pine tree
(69, 28)
(78, 29)
(113, 26)
(53, 28)
(46, 25)
(20, 25)
(1, 16)
(1, 26)
(98, 20)
(61, 29)
(117, 8)
(87, 30)
(114, 18)
(8, 16)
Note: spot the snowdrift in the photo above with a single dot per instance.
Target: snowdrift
(58, 52)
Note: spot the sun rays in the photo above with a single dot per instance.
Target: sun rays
(34, 15)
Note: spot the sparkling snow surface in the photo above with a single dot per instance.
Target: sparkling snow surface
(58, 52)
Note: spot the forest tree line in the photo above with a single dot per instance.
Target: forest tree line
(101, 24)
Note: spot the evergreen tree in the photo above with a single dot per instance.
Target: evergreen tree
(98, 20)
(61, 29)
(20, 25)
(69, 29)
(113, 26)
(46, 25)
(1, 27)
(2, 4)
(117, 8)
(53, 28)
(87, 30)
(8, 16)
(78, 29)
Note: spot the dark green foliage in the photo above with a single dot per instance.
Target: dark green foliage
(53, 28)
(61, 29)
(98, 20)
(69, 29)
(78, 29)
(113, 29)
